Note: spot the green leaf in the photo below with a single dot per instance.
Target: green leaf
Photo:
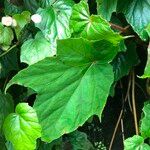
(8, 63)
(147, 68)
(6, 107)
(46, 3)
(91, 27)
(137, 14)
(55, 21)
(31, 5)
(55, 145)
(22, 128)
(79, 141)
(135, 143)
(11, 9)
(2, 143)
(74, 85)
(6, 36)
(34, 50)
(21, 19)
(125, 61)
(145, 123)
(106, 8)
(9, 145)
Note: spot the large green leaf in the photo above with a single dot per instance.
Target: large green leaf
(135, 143)
(6, 107)
(34, 50)
(91, 27)
(71, 87)
(22, 128)
(106, 8)
(55, 21)
(145, 121)
(137, 14)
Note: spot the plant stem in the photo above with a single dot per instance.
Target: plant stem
(117, 27)
(120, 115)
(11, 48)
(134, 105)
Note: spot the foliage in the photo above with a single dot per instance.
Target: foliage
(71, 59)
(137, 142)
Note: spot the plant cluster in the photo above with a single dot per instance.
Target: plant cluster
(67, 58)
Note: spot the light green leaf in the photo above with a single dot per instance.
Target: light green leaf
(137, 14)
(91, 27)
(6, 107)
(135, 143)
(55, 21)
(145, 122)
(22, 128)
(74, 85)
(106, 8)
(34, 50)
(6, 36)
(21, 19)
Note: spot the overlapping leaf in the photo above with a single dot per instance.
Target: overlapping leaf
(147, 67)
(21, 19)
(8, 63)
(6, 107)
(124, 61)
(6, 37)
(55, 21)
(71, 87)
(91, 27)
(22, 128)
(136, 142)
(106, 8)
(145, 123)
(137, 14)
(34, 50)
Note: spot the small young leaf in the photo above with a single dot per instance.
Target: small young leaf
(6, 36)
(21, 19)
(22, 128)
